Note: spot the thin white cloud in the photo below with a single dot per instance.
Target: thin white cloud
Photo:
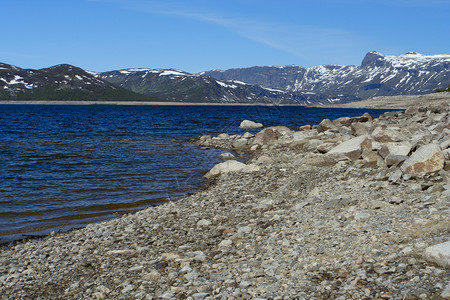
(309, 43)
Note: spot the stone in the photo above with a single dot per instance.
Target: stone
(263, 159)
(247, 124)
(340, 121)
(359, 129)
(325, 125)
(205, 137)
(412, 110)
(438, 254)
(248, 135)
(269, 135)
(395, 148)
(446, 292)
(225, 167)
(350, 149)
(244, 230)
(347, 121)
(395, 160)
(395, 176)
(305, 128)
(225, 243)
(224, 136)
(370, 157)
(227, 156)
(426, 159)
(388, 135)
(325, 147)
(191, 276)
(231, 166)
(203, 222)
(240, 144)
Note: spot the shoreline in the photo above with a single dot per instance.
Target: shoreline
(87, 102)
(382, 102)
(304, 217)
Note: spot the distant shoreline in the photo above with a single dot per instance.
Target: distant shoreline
(88, 102)
(384, 102)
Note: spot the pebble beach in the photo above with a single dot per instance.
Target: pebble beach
(352, 208)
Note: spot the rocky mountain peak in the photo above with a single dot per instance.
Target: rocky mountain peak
(373, 59)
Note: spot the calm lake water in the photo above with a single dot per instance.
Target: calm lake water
(64, 166)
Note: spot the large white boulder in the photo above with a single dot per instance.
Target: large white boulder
(395, 148)
(250, 124)
(439, 254)
(231, 166)
(350, 149)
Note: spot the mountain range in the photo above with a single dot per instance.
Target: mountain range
(60, 82)
(378, 75)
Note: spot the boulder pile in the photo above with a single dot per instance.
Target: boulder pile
(410, 145)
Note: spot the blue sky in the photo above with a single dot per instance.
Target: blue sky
(198, 35)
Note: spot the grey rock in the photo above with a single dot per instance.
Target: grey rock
(325, 125)
(439, 254)
(240, 144)
(395, 175)
(227, 156)
(446, 292)
(395, 160)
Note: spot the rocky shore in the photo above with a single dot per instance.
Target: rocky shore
(354, 208)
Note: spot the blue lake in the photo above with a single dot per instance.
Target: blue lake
(63, 166)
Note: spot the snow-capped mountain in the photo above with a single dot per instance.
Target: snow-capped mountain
(176, 85)
(60, 82)
(378, 75)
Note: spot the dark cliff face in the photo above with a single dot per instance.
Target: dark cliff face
(373, 59)
(271, 77)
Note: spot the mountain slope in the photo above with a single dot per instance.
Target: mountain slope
(175, 85)
(61, 82)
(378, 75)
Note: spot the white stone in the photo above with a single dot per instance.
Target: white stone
(203, 222)
(250, 124)
(225, 243)
(224, 136)
(439, 254)
(225, 167)
(350, 149)
(231, 166)
(244, 230)
(248, 135)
